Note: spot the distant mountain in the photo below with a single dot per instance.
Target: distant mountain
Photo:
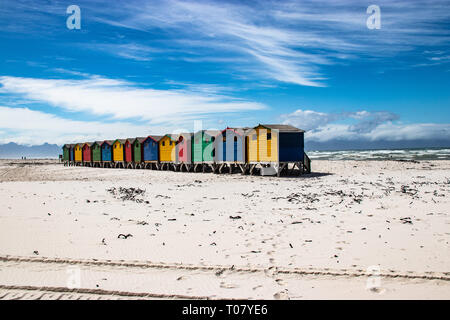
(379, 144)
(16, 151)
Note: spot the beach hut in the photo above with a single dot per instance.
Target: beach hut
(78, 151)
(150, 151)
(138, 152)
(96, 153)
(107, 153)
(66, 153)
(71, 153)
(118, 153)
(87, 153)
(273, 146)
(183, 154)
(230, 149)
(167, 150)
(203, 149)
(129, 152)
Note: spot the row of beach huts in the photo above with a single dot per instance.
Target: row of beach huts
(267, 149)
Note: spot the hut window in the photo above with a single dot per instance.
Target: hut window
(163, 143)
(235, 139)
(269, 136)
(213, 138)
(170, 142)
(224, 138)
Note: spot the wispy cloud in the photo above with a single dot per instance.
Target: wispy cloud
(288, 41)
(119, 99)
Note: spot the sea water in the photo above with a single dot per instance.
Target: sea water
(394, 154)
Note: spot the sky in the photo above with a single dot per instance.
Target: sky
(135, 68)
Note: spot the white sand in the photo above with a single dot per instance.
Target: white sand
(343, 218)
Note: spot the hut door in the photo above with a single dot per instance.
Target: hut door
(235, 149)
(224, 150)
(246, 149)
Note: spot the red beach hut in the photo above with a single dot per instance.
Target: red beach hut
(129, 150)
(87, 155)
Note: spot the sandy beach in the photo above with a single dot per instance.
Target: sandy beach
(349, 230)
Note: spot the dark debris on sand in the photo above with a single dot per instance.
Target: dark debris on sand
(130, 194)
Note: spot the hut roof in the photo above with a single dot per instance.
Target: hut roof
(139, 139)
(211, 133)
(88, 143)
(122, 141)
(154, 138)
(239, 131)
(110, 142)
(282, 127)
(68, 145)
(173, 137)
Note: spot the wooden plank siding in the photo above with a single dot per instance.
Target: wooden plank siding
(203, 147)
(230, 145)
(118, 149)
(78, 152)
(137, 150)
(167, 148)
(262, 145)
(129, 150)
(151, 149)
(66, 152)
(87, 154)
(96, 151)
(106, 151)
(183, 148)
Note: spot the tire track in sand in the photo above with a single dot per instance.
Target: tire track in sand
(442, 276)
(64, 293)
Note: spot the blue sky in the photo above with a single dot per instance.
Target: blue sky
(141, 67)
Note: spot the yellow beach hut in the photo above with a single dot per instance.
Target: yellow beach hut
(118, 148)
(273, 147)
(167, 150)
(78, 153)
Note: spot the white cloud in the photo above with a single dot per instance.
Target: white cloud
(363, 126)
(25, 126)
(120, 99)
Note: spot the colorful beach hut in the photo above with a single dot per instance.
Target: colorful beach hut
(167, 149)
(96, 152)
(138, 151)
(71, 152)
(87, 153)
(150, 151)
(275, 145)
(78, 150)
(203, 149)
(66, 152)
(118, 153)
(128, 152)
(230, 149)
(183, 148)
(107, 153)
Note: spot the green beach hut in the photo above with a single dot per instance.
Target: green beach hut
(96, 153)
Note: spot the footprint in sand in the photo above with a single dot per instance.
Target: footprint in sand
(281, 295)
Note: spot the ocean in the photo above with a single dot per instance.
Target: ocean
(395, 154)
